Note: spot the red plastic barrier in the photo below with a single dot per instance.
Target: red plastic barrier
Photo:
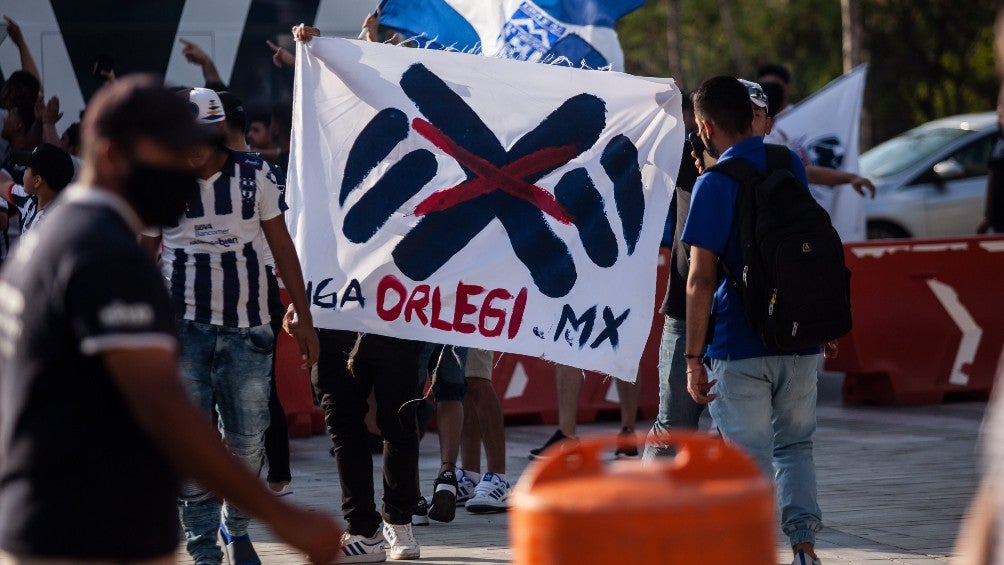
(928, 319)
(527, 389)
(604, 397)
(293, 385)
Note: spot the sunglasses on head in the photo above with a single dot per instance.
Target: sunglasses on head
(755, 92)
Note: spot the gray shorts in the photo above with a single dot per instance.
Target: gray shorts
(479, 364)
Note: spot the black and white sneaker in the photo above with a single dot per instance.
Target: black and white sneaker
(540, 452)
(420, 513)
(444, 498)
(626, 447)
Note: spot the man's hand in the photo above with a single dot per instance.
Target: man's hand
(831, 349)
(51, 113)
(305, 336)
(697, 382)
(14, 31)
(194, 54)
(318, 535)
(863, 186)
(371, 27)
(305, 33)
(698, 162)
(280, 56)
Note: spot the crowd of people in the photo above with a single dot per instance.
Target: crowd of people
(102, 347)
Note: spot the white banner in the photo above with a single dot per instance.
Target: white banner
(824, 130)
(500, 204)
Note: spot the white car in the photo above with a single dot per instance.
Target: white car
(932, 180)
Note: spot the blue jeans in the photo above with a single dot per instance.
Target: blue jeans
(767, 405)
(228, 367)
(676, 408)
(449, 363)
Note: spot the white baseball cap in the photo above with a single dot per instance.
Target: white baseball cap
(757, 95)
(206, 106)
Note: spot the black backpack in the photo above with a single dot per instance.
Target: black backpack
(794, 285)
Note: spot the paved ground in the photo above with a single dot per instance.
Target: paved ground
(893, 483)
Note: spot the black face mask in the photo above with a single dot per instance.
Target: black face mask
(712, 150)
(160, 195)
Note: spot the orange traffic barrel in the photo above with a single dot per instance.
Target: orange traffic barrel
(708, 504)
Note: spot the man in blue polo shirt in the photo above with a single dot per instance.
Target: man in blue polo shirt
(763, 400)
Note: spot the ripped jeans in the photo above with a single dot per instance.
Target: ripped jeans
(227, 368)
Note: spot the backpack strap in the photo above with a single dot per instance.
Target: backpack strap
(743, 172)
(778, 157)
(739, 170)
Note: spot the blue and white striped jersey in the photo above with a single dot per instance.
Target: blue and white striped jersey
(213, 260)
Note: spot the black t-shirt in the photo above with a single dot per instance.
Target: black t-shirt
(78, 477)
(674, 304)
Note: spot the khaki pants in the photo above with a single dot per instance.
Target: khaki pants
(479, 363)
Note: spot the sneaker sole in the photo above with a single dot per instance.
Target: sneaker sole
(404, 555)
(417, 520)
(444, 506)
(485, 508)
(368, 558)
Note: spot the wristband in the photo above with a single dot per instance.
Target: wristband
(698, 357)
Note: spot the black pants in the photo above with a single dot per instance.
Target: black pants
(387, 366)
(277, 434)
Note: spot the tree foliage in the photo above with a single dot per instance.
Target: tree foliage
(928, 58)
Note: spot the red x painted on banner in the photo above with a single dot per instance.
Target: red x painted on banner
(510, 178)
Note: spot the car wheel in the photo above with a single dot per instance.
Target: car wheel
(885, 230)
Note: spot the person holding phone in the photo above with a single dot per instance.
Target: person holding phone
(676, 408)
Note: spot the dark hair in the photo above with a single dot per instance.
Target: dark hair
(52, 164)
(26, 112)
(724, 101)
(775, 97)
(775, 69)
(282, 115)
(259, 115)
(234, 110)
(687, 103)
(21, 87)
(72, 134)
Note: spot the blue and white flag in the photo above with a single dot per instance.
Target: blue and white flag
(482, 202)
(824, 130)
(578, 33)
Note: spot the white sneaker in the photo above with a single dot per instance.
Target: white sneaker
(466, 482)
(401, 543)
(491, 495)
(361, 549)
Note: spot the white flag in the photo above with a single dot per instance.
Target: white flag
(824, 130)
(482, 202)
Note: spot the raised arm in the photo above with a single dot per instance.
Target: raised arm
(27, 61)
(51, 115)
(195, 55)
